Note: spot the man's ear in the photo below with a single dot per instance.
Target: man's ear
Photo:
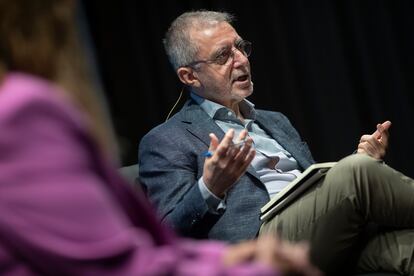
(188, 76)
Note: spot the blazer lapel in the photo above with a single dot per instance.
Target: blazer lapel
(201, 125)
(275, 130)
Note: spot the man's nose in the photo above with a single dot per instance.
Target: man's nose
(239, 58)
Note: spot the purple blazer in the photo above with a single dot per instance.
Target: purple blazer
(64, 210)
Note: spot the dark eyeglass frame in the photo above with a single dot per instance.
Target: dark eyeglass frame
(243, 46)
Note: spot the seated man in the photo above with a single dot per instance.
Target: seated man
(210, 189)
(64, 210)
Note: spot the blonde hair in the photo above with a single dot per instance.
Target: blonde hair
(39, 37)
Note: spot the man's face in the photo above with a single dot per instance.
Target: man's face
(228, 83)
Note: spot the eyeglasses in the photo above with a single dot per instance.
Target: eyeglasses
(223, 56)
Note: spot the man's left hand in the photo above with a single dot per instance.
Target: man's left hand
(376, 144)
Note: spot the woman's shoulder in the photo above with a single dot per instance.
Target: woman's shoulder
(23, 95)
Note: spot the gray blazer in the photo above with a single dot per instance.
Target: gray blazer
(171, 162)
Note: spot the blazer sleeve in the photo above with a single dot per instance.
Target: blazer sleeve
(57, 217)
(168, 171)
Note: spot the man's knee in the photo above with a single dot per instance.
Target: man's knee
(358, 162)
(353, 171)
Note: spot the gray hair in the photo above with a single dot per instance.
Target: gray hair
(177, 42)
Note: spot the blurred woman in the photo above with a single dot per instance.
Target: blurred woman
(64, 210)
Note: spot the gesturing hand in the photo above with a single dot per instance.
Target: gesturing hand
(285, 257)
(228, 162)
(376, 144)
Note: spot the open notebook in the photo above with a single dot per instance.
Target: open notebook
(287, 195)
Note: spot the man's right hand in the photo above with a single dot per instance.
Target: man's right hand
(228, 162)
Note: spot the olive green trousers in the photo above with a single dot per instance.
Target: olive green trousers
(337, 214)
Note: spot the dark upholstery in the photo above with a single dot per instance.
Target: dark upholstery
(130, 173)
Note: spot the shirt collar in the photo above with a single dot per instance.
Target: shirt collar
(212, 108)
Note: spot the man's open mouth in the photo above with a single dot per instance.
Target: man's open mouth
(241, 78)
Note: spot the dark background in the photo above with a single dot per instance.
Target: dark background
(335, 68)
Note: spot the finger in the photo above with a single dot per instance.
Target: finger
(298, 257)
(224, 145)
(249, 158)
(376, 148)
(385, 132)
(238, 166)
(242, 153)
(243, 159)
(367, 149)
(266, 249)
(232, 152)
(384, 139)
(235, 149)
(386, 125)
(381, 128)
(214, 142)
(239, 253)
(361, 150)
(374, 143)
(365, 137)
(242, 135)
